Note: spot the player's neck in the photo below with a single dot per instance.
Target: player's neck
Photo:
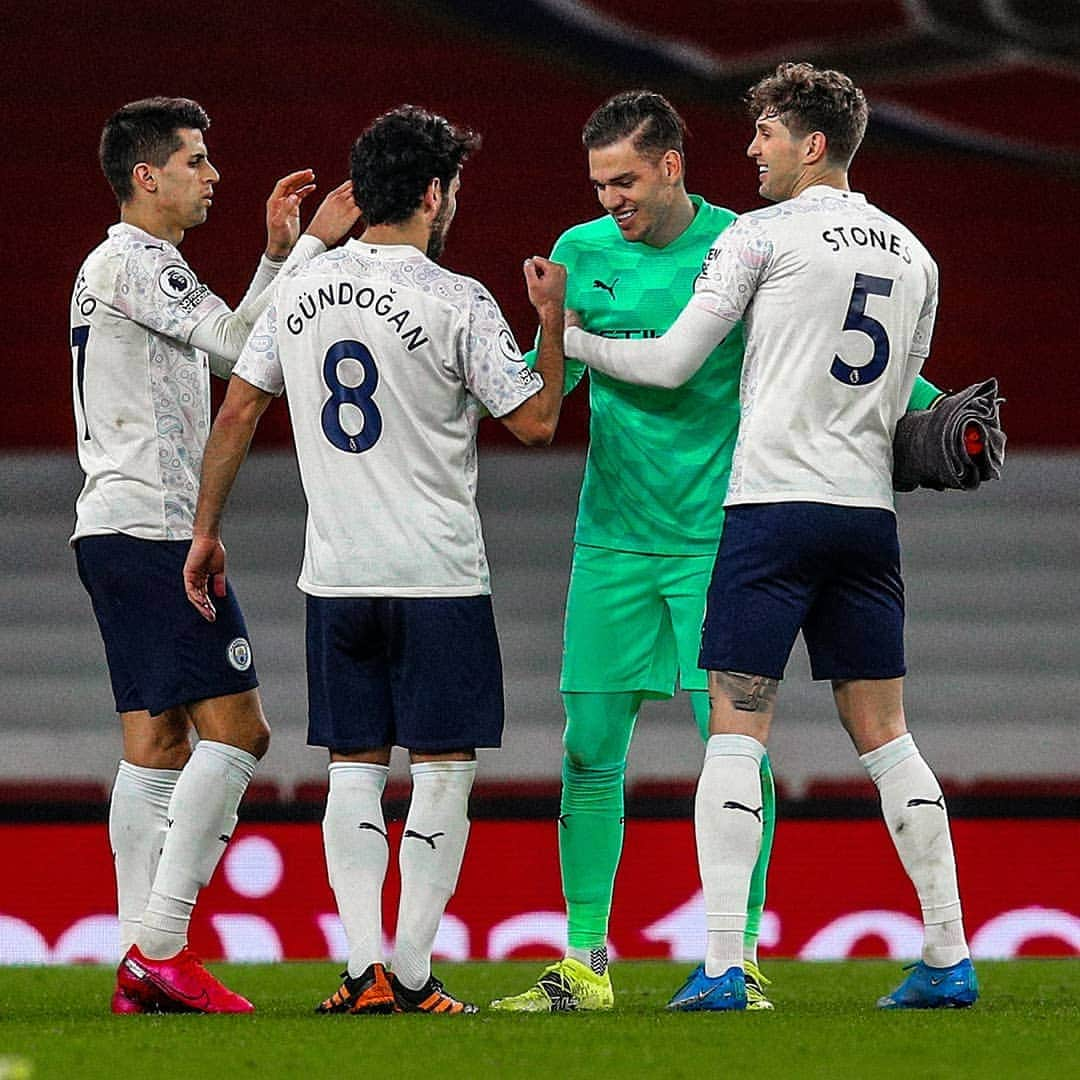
(144, 218)
(675, 223)
(413, 233)
(834, 178)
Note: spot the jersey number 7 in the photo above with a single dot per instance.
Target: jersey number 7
(80, 335)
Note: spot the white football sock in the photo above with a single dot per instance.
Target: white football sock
(595, 959)
(138, 821)
(432, 848)
(202, 815)
(727, 826)
(914, 811)
(357, 854)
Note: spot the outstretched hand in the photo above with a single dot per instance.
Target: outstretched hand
(283, 212)
(205, 563)
(336, 215)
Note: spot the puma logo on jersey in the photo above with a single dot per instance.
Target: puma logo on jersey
(938, 802)
(420, 836)
(732, 805)
(609, 289)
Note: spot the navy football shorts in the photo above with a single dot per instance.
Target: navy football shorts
(831, 571)
(161, 652)
(424, 673)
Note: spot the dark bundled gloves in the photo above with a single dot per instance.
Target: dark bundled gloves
(956, 444)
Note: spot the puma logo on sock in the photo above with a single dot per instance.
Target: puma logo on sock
(938, 802)
(420, 836)
(732, 805)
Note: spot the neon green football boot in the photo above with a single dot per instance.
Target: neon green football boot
(568, 986)
(755, 987)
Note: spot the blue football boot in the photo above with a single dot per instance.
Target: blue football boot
(700, 993)
(928, 987)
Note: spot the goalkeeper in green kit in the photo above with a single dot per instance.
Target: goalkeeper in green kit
(649, 521)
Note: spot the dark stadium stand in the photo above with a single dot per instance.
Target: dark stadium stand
(1009, 256)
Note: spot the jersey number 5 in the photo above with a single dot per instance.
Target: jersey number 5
(348, 404)
(857, 319)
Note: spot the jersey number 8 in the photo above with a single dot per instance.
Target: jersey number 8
(346, 401)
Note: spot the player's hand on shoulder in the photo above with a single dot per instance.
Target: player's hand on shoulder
(336, 216)
(283, 212)
(205, 565)
(572, 318)
(546, 283)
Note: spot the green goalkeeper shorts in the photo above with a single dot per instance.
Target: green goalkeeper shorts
(633, 622)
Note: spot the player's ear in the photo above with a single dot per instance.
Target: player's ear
(433, 196)
(672, 164)
(816, 147)
(142, 176)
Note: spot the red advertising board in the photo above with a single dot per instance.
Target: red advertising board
(836, 889)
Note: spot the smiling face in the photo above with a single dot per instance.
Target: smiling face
(183, 188)
(645, 196)
(779, 155)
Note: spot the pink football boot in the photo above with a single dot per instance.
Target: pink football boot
(178, 984)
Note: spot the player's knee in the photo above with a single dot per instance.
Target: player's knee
(584, 755)
(259, 742)
(747, 693)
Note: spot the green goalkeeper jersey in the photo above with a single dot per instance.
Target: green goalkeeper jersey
(658, 460)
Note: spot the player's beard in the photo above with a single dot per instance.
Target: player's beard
(439, 228)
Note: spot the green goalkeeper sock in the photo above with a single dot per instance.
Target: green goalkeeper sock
(755, 903)
(598, 730)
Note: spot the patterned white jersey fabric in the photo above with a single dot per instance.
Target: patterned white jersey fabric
(838, 301)
(141, 391)
(388, 361)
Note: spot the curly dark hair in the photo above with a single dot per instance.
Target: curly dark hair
(396, 158)
(807, 99)
(145, 130)
(649, 117)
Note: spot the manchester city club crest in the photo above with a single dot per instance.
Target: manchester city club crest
(239, 653)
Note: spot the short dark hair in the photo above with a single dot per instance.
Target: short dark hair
(145, 130)
(647, 116)
(398, 155)
(807, 99)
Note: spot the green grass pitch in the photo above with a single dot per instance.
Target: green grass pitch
(54, 1022)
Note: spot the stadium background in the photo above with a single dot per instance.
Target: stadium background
(974, 144)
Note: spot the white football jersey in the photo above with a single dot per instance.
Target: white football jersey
(387, 360)
(141, 392)
(838, 301)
